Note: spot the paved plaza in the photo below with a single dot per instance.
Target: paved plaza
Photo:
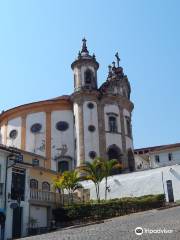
(123, 228)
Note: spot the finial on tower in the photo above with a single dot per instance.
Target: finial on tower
(117, 58)
(84, 47)
(113, 63)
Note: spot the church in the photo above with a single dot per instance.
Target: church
(68, 130)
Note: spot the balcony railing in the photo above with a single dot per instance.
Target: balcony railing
(39, 195)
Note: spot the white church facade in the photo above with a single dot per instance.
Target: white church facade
(71, 129)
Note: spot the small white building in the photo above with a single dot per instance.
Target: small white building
(157, 156)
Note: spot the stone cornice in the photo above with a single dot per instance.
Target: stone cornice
(41, 106)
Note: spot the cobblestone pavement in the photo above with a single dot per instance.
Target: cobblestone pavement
(123, 228)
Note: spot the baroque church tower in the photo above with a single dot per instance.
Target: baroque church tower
(102, 115)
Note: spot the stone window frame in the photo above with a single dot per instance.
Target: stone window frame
(90, 105)
(35, 182)
(67, 159)
(35, 162)
(60, 127)
(170, 156)
(91, 76)
(112, 123)
(91, 128)
(36, 128)
(128, 126)
(157, 158)
(46, 186)
(13, 134)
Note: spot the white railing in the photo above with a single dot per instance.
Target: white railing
(40, 195)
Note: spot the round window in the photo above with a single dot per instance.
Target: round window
(35, 128)
(90, 105)
(62, 126)
(91, 128)
(13, 134)
(92, 154)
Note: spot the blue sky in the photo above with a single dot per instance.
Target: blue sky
(39, 39)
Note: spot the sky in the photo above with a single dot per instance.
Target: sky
(39, 39)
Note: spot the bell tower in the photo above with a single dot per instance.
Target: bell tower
(85, 70)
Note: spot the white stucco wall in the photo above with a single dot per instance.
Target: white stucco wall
(14, 124)
(163, 158)
(140, 183)
(60, 139)
(112, 138)
(91, 139)
(36, 142)
(2, 134)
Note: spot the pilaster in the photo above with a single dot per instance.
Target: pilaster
(48, 140)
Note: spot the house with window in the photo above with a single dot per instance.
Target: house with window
(157, 156)
(27, 195)
(26, 191)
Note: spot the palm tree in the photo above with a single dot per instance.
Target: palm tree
(108, 166)
(71, 183)
(94, 172)
(58, 184)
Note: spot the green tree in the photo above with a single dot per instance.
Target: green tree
(107, 168)
(71, 182)
(94, 172)
(58, 184)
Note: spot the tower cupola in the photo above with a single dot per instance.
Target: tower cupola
(85, 69)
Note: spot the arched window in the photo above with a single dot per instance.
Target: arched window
(128, 124)
(63, 166)
(112, 124)
(34, 184)
(114, 152)
(46, 186)
(88, 76)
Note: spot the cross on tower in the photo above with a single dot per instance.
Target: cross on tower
(117, 58)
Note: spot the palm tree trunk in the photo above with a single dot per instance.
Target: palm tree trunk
(106, 188)
(98, 196)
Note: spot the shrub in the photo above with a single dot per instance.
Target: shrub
(108, 209)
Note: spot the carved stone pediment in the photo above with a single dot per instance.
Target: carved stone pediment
(120, 87)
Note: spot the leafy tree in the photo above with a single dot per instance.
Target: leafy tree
(71, 183)
(94, 172)
(58, 184)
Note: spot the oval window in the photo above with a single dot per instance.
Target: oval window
(91, 128)
(13, 134)
(90, 105)
(35, 128)
(62, 126)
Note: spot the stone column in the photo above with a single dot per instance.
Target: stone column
(102, 133)
(5, 132)
(81, 154)
(23, 132)
(48, 140)
(124, 158)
